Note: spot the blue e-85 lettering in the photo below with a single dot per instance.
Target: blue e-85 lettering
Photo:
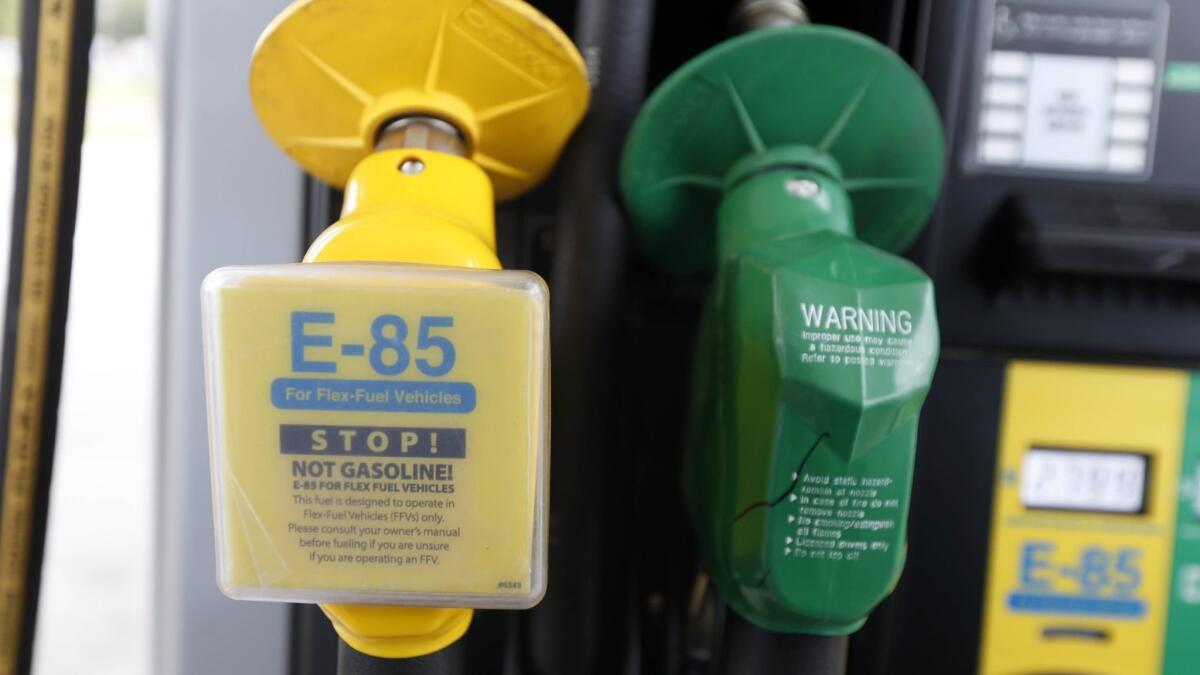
(1100, 582)
(389, 353)
(1098, 571)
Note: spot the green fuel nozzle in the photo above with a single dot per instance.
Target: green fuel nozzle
(795, 163)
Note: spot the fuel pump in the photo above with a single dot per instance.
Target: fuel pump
(1055, 523)
(795, 164)
(379, 432)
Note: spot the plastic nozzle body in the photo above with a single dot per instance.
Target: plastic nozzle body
(816, 356)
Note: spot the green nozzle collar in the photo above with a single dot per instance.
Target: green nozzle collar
(812, 94)
(783, 157)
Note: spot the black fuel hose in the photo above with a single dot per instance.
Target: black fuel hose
(55, 39)
(562, 634)
(746, 649)
(448, 661)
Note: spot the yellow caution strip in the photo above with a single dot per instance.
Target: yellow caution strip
(44, 190)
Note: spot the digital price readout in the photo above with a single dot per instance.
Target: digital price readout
(1083, 480)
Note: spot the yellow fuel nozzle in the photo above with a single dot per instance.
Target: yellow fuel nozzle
(461, 87)
(379, 432)
(416, 196)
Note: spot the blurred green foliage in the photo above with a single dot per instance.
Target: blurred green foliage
(114, 18)
(121, 18)
(8, 16)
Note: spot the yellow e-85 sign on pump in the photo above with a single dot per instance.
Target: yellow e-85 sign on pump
(379, 431)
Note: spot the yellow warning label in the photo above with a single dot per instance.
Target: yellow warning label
(379, 433)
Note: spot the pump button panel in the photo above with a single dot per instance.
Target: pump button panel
(1070, 87)
(379, 433)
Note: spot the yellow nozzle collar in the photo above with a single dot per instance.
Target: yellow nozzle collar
(327, 75)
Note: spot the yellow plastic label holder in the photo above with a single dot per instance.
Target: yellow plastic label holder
(379, 434)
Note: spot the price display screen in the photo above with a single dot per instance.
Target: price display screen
(1080, 480)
